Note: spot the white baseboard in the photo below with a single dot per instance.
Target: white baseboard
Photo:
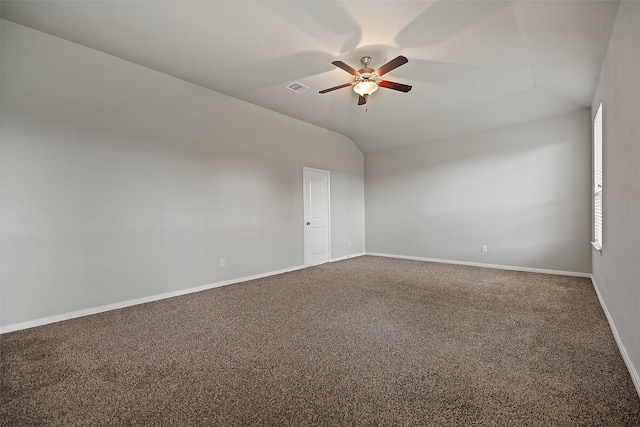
(623, 351)
(129, 303)
(342, 258)
(478, 264)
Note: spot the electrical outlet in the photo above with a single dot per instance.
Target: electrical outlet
(349, 242)
(222, 262)
(606, 280)
(483, 248)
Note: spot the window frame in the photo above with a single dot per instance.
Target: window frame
(597, 178)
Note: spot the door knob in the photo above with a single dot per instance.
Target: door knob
(308, 223)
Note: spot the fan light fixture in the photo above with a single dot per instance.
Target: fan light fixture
(365, 88)
(367, 80)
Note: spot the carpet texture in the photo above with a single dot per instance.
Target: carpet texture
(362, 342)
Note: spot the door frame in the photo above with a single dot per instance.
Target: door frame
(305, 211)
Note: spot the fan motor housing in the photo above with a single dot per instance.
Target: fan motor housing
(366, 75)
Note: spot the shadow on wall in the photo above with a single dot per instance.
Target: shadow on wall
(522, 190)
(531, 236)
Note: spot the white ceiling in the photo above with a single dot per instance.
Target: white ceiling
(474, 65)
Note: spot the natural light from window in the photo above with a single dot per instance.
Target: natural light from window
(597, 178)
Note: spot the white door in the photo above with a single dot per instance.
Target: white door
(316, 217)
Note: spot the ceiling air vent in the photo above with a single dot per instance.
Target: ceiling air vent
(297, 87)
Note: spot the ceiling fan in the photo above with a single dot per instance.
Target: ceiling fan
(367, 80)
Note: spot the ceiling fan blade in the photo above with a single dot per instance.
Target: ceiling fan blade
(391, 65)
(345, 67)
(362, 99)
(394, 86)
(335, 87)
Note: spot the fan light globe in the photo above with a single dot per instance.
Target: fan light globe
(365, 88)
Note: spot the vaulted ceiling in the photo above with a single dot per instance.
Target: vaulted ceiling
(473, 65)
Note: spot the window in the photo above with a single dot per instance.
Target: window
(597, 178)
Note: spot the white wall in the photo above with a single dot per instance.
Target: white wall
(119, 182)
(616, 270)
(522, 190)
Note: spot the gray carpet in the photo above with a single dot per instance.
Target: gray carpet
(366, 341)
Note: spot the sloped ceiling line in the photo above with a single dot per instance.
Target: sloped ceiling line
(473, 65)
